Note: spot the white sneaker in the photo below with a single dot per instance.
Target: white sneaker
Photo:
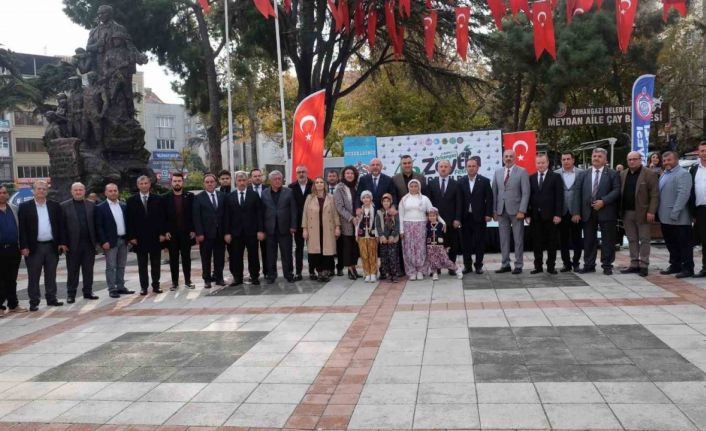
(373, 279)
(369, 278)
(435, 276)
(420, 276)
(459, 274)
(413, 277)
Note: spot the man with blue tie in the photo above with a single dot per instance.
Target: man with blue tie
(208, 218)
(675, 190)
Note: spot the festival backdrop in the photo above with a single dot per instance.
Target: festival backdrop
(456, 147)
(358, 150)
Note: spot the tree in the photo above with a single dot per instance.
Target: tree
(14, 89)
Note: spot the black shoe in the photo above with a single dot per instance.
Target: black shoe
(517, 271)
(607, 271)
(670, 270)
(479, 271)
(173, 288)
(351, 275)
(501, 270)
(157, 290)
(114, 295)
(90, 296)
(269, 280)
(55, 303)
(685, 274)
(143, 292)
(585, 270)
(324, 278)
(221, 283)
(236, 282)
(452, 273)
(565, 269)
(292, 279)
(313, 277)
(643, 272)
(3, 308)
(535, 271)
(576, 267)
(630, 270)
(339, 273)
(70, 300)
(33, 308)
(190, 285)
(700, 274)
(207, 285)
(551, 271)
(467, 269)
(126, 292)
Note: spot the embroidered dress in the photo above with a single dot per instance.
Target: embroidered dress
(413, 214)
(388, 227)
(367, 241)
(437, 258)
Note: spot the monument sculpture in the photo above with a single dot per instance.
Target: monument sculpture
(93, 136)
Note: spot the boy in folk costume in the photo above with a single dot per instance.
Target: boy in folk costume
(388, 230)
(367, 237)
(437, 251)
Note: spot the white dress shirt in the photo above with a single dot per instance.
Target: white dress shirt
(700, 185)
(471, 184)
(44, 232)
(302, 187)
(258, 189)
(117, 216)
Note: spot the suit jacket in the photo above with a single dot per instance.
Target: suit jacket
(187, 212)
(675, 192)
(300, 198)
(71, 223)
(29, 224)
(513, 197)
(480, 200)
(547, 203)
(646, 193)
(692, 199)
(146, 226)
(284, 213)
(246, 219)
(345, 208)
(570, 192)
(385, 185)
(446, 203)
(207, 219)
(106, 229)
(401, 186)
(608, 191)
(13, 210)
(262, 189)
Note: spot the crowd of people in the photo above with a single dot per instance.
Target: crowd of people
(395, 226)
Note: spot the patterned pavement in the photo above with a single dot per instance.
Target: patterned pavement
(495, 352)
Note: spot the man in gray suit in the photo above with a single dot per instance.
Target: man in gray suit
(597, 200)
(80, 225)
(280, 224)
(675, 191)
(511, 193)
(570, 231)
(406, 175)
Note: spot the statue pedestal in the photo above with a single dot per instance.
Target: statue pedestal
(65, 162)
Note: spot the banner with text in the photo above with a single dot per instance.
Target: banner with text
(643, 106)
(566, 116)
(358, 151)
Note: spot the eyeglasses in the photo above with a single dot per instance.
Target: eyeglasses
(301, 172)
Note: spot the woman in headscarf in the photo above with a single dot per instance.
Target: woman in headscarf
(344, 195)
(413, 221)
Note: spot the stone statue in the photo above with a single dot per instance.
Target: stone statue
(55, 129)
(95, 104)
(75, 106)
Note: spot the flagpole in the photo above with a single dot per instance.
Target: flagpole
(281, 80)
(231, 161)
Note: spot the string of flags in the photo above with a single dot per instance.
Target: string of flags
(540, 13)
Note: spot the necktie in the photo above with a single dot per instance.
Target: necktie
(596, 180)
(144, 202)
(242, 199)
(375, 184)
(214, 201)
(257, 189)
(443, 186)
(663, 179)
(507, 176)
(541, 180)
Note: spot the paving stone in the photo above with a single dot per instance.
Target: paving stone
(501, 373)
(123, 391)
(146, 413)
(203, 414)
(512, 416)
(507, 393)
(400, 416)
(93, 412)
(568, 393)
(456, 416)
(446, 393)
(581, 416)
(407, 374)
(224, 393)
(651, 417)
(614, 373)
(39, 411)
(557, 373)
(173, 392)
(446, 373)
(261, 415)
(631, 393)
(684, 392)
(375, 394)
(276, 393)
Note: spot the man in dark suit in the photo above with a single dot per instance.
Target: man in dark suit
(243, 226)
(406, 175)
(697, 204)
(570, 231)
(474, 207)
(300, 190)
(598, 202)
(207, 212)
(180, 230)
(376, 183)
(545, 207)
(41, 241)
(111, 230)
(256, 185)
(146, 231)
(280, 224)
(10, 257)
(443, 193)
(79, 220)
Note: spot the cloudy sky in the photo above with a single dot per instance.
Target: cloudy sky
(40, 27)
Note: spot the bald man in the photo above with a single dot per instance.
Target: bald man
(376, 183)
(638, 205)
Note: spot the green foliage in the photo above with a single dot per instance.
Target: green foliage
(14, 89)
(194, 181)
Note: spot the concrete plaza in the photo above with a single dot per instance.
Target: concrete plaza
(569, 352)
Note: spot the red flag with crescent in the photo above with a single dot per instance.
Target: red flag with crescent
(204, 5)
(577, 7)
(679, 5)
(497, 10)
(519, 5)
(524, 144)
(359, 19)
(288, 6)
(390, 22)
(463, 13)
(625, 16)
(405, 8)
(345, 15)
(336, 13)
(543, 25)
(430, 32)
(428, 4)
(372, 25)
(308, 134)
(265, 8)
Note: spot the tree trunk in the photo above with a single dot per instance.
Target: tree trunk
(518, 103)
(213, 131)
(531, 93)
(253, 120)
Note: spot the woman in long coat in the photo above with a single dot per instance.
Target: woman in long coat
(321, 227)
(344, 195)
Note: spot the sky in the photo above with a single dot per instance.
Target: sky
(41, 27)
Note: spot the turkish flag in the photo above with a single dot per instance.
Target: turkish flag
(398, 46)
(577, 7)
(497, 10)
(625, 16)
(390, 22)
(372, 25)
(359, 19)
(345, 15)
(336, 13)
(429, 33)
(463, 14)
(265, 8)
(543, 25)
(519, 5)
(524, 144)
(599, 4)
(308, 134)
(405, 8)
(288, 6)
(204, 5)
(428, 4)
(679, 5)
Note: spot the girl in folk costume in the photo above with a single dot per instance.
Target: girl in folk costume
(388, 229)
(413, 217)
(367, 237)
(437, 251)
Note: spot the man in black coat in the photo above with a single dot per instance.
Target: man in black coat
(41, 229)
(545, 208)
(376, 183)
(256, 184)
(111, 230)
(243, 225)
(443, 193)
(180, 230)
(207, 212)
(280, 213)
(474, 207)
(146, 231)
(300, 190)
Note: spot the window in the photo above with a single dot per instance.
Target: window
(30, 145)
(5, 172)
(165, 122)
(26, 118)
(4, 142)
(32, 171)
(165, 144)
